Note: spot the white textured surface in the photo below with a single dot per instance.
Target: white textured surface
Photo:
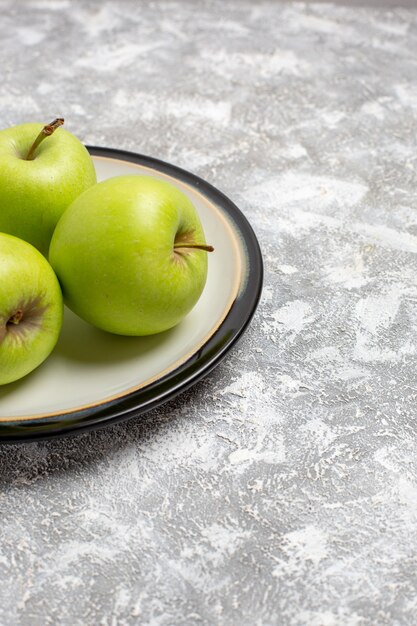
(281, 490)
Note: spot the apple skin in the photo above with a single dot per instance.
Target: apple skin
(34, 194)
(113, 253)
(31, 296)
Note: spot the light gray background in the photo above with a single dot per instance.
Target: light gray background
(281, 490)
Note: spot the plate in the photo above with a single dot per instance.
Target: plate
(94, 378)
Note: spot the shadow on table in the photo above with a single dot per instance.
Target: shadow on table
(22, 464)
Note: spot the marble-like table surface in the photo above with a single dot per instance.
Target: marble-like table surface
(282, 489)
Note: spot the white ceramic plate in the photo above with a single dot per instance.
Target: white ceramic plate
(93, 378)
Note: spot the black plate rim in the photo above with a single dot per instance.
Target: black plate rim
(188, 373)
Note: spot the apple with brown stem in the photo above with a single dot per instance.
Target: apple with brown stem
(42, 170)
(130, 255)
(31, 308)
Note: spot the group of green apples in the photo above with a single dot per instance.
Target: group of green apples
(127, 255)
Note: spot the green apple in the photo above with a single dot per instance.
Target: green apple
(39, 178)
(31, 308)
(130, 255)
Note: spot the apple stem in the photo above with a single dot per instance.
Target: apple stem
(197, 246)
(45, 132)
(16, 318)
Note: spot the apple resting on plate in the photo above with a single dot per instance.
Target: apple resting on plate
(31, 308)
(130, 255)
(39, 179)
